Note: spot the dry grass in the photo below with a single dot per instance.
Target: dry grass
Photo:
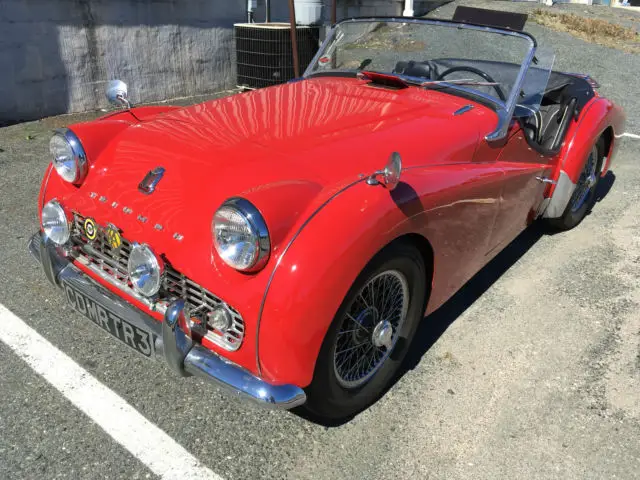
(592, 30)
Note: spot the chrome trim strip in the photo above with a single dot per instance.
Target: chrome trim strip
(252, 215)
(171, 342)
(78, 153)
(462, 110)
(284, 252)
(561, 196)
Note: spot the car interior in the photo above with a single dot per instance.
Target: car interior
(545, 128)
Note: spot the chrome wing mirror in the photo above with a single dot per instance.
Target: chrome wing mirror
(390, 175)
(117, 93)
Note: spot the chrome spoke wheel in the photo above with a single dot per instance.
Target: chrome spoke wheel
(370, 328)
(586, 183)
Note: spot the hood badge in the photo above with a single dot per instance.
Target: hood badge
(113, 237)
(151, 180)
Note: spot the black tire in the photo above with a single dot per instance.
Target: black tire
(327, 398)
(579, 206)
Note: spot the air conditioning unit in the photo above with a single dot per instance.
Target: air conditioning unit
(263, 52)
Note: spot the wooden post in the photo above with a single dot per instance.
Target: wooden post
(334, 12)
(294, 39)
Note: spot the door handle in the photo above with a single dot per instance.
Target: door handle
(546, 180)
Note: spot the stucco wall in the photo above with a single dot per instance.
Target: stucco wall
(56, 55)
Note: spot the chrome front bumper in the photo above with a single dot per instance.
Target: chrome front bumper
(171, 343)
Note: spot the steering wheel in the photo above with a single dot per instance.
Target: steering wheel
(477, 71)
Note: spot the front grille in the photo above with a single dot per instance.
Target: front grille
(111, 264)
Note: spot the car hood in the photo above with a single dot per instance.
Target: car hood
(320, 130)
(284, 148)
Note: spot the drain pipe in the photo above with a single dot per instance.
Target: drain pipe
(408, 8)
(252, 5)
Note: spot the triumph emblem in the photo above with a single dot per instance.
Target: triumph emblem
(150, 181)
(113, 237)
(90, 229)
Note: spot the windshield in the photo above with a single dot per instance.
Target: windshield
(484, 61)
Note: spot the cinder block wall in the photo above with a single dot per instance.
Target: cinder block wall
(56, 55)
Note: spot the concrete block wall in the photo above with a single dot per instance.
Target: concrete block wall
(57, 55)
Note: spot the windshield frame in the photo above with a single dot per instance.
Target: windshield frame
(504, 110)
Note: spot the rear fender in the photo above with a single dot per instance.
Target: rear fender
(598, 115)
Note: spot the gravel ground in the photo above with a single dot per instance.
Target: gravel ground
(531, 371)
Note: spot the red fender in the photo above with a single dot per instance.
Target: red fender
(596, 117)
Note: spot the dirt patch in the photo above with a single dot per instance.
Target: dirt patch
(597, 31)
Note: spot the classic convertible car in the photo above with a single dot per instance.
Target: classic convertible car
(286, 242)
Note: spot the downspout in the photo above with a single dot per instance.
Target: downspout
(408, 8)
(252, 5)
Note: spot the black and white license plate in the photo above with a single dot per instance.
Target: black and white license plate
(135, 337)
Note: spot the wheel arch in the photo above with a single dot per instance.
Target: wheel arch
(600, 119)
(423, 245)
(317, 271)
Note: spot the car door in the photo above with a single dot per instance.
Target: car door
(522, 190)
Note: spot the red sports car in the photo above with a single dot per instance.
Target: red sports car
(286, 242)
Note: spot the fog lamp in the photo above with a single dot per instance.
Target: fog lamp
(145, 270)
(54, 223)
(219, 319)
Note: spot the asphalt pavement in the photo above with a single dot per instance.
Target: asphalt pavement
(531, 371)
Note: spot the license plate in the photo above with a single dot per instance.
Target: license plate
(138, 339)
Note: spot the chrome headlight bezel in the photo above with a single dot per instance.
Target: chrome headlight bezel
(73, 167)
(156, 269)
(251, 219)
(59, 233)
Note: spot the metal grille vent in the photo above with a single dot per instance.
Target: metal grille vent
(112, 265)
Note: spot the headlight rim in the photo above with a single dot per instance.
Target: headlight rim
(55, 203)
(79, 155)
(259, 227)
(159, 264)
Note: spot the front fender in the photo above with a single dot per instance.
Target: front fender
(316, 272)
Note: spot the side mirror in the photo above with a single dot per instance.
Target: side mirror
(390, 175)
(117, 93)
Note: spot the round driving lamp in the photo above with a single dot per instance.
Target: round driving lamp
(145, 270)
(240, 235)
(219, 319)
(69, 158)
(54, 223)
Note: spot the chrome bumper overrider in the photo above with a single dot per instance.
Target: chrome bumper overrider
(171, 343)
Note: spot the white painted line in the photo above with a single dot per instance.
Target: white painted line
(630, 135)
(144, 440)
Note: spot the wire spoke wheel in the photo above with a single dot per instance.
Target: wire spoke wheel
(370, 328)
(587, 181)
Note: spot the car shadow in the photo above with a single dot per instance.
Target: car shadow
(434, 325)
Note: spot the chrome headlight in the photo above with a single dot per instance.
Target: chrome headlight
(54, 223)
(145, 270)
(240, 235)
(69, 158)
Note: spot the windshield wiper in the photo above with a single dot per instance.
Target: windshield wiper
(459, 82)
